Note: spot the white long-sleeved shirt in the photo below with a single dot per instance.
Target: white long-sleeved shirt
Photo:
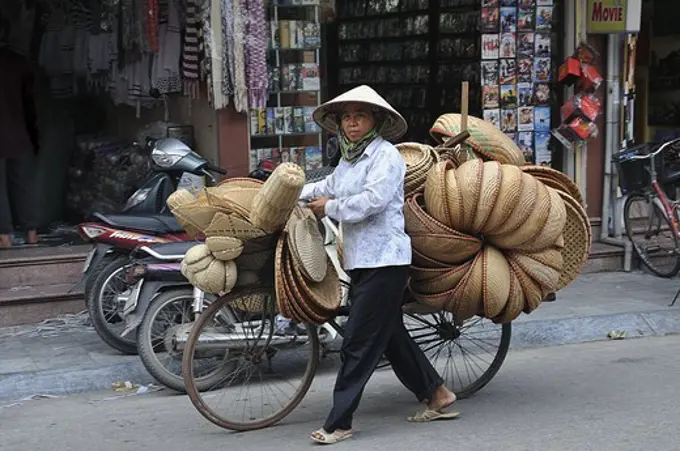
(367, 198)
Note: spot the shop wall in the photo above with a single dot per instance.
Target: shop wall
(123, 122)
(233, 142)
(595, 157)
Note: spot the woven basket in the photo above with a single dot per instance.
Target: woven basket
(418, 221)
(469, 177)
(454, 200)
(533, 295)
(468, 300)
(437, 301)
(448, 248)
(562, 180)
(496, 281)
(577, 239)
(180, 197)
(532, 225)
(508, 196)
(297, 314)
(303, 307)
(443, 281)
(307, 249)
(211, 279)
(278, 196)
(545, 275)
(241, 182)
(424, 261)
(224, 247)
(553, 228)
(435, 192)
(490, 187)
(485, 138)
(233, 226)
(197, 216)
(233, 199)
(282, 301)
(323, 297)
(522, 208)
(515, 305)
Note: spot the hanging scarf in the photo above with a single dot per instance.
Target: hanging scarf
(352, 151)
(228, 46)
(240, 86)
(191, 50)
(256, 47)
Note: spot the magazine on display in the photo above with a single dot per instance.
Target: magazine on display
(490, 70)
(508, 19)
(541, 69)
(509, 120)
(542, 149)
(525, 141)
(493, 116)
(490, 44)
(541, 93)
(508, 72)
(490, 94)
(490, 3)
(524, 70)
(525, 94)
(525, 118)
(508, 2)
(526, 19)
(544, 18)
(542, 118)
(526, 44)
(509, 96)
(508, 45)
(490, 19)
(544, 2)
(542, 45)
(526, 3)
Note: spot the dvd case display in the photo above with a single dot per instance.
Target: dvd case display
(517, 71)
(284, 129)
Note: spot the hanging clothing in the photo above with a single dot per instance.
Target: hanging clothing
(240, 84)
(191, 50)
(165, 73)
(257, 44)
(227, 15)
(206, 46)
(217, 53)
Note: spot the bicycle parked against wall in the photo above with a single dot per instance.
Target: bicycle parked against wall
(650, 215)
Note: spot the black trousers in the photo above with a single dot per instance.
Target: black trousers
(375, 327)
(17, 194)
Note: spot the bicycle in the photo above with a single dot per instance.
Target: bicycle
(259, 351)
(650, 217)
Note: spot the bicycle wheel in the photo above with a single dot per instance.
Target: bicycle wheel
(651, 234)
(268, 361)
(471, 353)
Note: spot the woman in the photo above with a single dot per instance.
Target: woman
(365, 194)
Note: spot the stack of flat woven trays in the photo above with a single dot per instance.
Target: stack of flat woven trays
(490, 236)
(256, 235)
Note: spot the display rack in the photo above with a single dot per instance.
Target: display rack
(415, 53)
(284, 130)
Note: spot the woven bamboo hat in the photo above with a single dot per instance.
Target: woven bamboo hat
(496, 281)
(577, 238)
(435, 192)
(307, 249)
(555, 179)
(233, 199)
(275, 201)
(515, 305)
(327, 114)
(430, 281)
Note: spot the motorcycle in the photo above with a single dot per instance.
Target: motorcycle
(145, 219)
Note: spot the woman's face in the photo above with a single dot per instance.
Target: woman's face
(356, 120)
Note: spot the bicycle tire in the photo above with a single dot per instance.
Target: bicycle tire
(191, 387)
(147, 351)
(627, 220)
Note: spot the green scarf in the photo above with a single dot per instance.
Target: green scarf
(351, 151)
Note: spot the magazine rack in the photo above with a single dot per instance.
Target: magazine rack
(284, 130)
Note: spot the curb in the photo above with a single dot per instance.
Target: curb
(525, 334)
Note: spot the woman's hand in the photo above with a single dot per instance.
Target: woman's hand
(318, 206)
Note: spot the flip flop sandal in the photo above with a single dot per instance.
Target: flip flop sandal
(332, 438)
(432, 415)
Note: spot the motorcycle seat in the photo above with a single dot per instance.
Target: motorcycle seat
(173, 249)
(154, 224)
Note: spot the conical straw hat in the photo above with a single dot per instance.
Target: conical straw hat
(532, 224)
(450, 249)
(506, 201)
(468, 299)
(453, 199)
(326, 116)
(577, 239)
(490, 187)
(300, 302)
(496, 281)
(546, 276)
(515, 305)
(435, 192)
(307, 249)
(563, 180)
(533, 295)
(521, 209)
(469, 177)
(553, 228)
(442, 281)
(424, 261)
(282, 301)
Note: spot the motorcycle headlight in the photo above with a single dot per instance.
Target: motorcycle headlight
(166, 159)
(137, 198)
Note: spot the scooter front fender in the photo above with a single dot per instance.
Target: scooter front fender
(147, 293)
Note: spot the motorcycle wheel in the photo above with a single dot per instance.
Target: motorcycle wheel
(165, 314)
(102, 305)
(89, 282)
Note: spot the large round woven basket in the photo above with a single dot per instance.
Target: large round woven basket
(233, 199)
(418, 158)
(485, 139)
(307, 249)
(577, 241)
(555, 179)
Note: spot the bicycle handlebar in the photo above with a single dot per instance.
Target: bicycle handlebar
(656, 152)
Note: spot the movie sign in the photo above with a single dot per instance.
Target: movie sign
(614, 16)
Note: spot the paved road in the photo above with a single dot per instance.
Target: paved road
(618, 396)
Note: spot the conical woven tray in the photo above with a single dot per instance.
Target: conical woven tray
(467, 300)
(307, 249)
(436, 301)
(561, 178)
(553, 228)
(236, 200)
(515, 305)
(490, 187)
(545, 275)
(496, 281)
(435, 192)
(508, 196)
(449, 248)
(424, 261)
(440, 283)
(282, 301)
(533, 295)
(304, 307)
(520, 209)
(469, 176)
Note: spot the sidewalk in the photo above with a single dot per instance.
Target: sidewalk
(68, 357)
